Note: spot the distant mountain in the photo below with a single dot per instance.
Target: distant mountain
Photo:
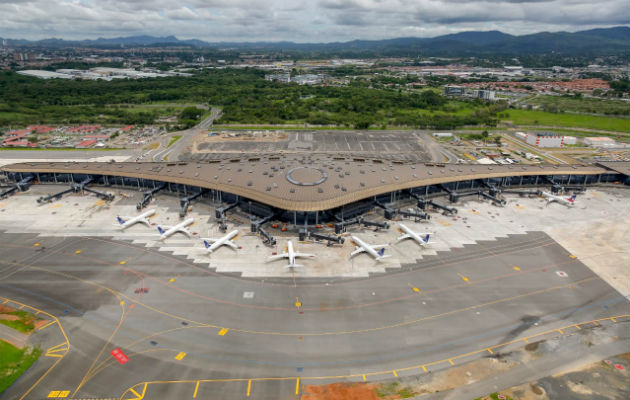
(603, 41)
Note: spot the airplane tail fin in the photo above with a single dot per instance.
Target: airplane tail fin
(572, 198)
(426, 238)
(160, 230)
(205, 243)
(381, 252)
(120, 220)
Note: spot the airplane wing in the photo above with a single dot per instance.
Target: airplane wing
(403, 237)
(209, 240)
(357, 251)
(278, 257)
(304, 255)
(185, 231)
(231, 244)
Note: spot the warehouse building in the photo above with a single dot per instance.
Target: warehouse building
(544, 139)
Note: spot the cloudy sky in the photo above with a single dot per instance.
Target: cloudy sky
(299, 20)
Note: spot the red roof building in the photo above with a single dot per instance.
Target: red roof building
(84, 144)
(127, 128)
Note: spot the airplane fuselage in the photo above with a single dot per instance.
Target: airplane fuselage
(366, 247)
(558, 199)
(181, 227)
(222, 241)
(142, 218)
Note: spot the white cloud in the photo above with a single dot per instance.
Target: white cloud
(299, 20)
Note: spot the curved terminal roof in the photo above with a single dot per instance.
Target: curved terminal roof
(304, 183)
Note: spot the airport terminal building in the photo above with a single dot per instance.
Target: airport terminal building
(315, 188)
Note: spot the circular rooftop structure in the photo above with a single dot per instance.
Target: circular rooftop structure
(306, 176)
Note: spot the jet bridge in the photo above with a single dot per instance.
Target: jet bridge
(184, 202)
(22, 186)
(148, 196)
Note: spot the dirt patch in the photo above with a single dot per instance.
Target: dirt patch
(9, 317)
(341, 391)
(5, 309)
(39, 323)
(463, 375)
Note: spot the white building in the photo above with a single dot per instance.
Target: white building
(600, 142)
(543, 139)
(44, 74)
(570, 140)
(442, 134)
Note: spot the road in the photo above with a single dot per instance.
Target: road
(164, 153)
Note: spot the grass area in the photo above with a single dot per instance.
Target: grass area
(25, 321)
(174, 139)
(532, 117)
(582, 105)
(14, 362)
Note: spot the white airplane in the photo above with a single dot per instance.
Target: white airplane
(213, 244)
(567, 201)
(181, 227)
(126, 222)
(409, 234)
(291, 255)
(361, 247)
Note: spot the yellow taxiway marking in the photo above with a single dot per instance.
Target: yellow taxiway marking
(415, 289)
(122, 303)
(560, 330)
(298, 303)
(525, 340)
(223, 331)
(123, 262)
(337, 377)
(180, 356)
(172, 280)
(35, 244)
(444, 223)
(612, 319)
(297, 386)
(364, 378)
(196, 389)
(519, 207)
(572, 256)
(516, 268)
(58, 394)
(579, 329)
(464, 278)
(395, 373)
(490, 351)
(47, 325)
(77, 252)
(249, 387)
(474, 212)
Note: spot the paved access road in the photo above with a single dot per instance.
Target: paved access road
(172, 153)
(198, 334)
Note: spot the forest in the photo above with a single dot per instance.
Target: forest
(242, 94)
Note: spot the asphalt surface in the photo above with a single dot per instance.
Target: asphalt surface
(468, 299)
(405, 145)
